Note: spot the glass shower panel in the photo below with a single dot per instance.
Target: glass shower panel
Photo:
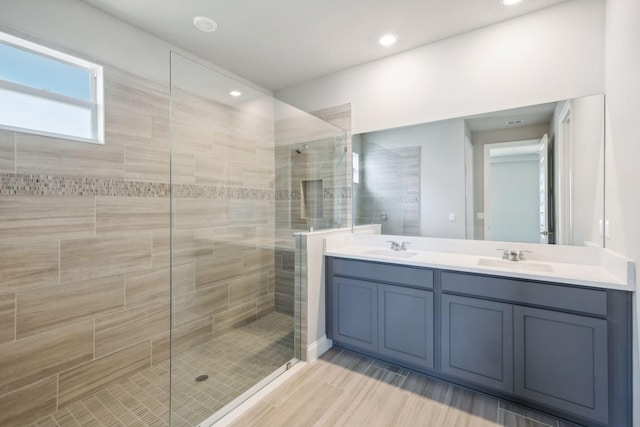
(236, 320)
(226, 335)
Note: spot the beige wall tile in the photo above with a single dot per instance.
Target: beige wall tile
(258, 260)
(243, 212)
(258, 176)
(152, 286)
(95, 375)
(125, 214)
(233, 318)
(39, 218)
(183, 168)
(28, 265)
(161, 248)
(182, 338)
(128, 109)
(117, 331)
(31, 359)
(190, 244)
(211, 170)
(7, 151)
(210, 270)
(104, 256)
(183, 278)
(29, 403)
(146, 164)
(41, 155)
(245, 236)
(201, 304)
(200, 213)
(247, 289)
(191, 133)
(265, 305)
(7, 317)
(241, 149)
(44, 309)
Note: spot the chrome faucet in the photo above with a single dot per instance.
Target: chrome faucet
(404, 246)
(511, 255)
(395, 246)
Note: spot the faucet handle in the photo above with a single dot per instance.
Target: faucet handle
(521, 256)
(505, 253)
(404, 246)
(395, 246)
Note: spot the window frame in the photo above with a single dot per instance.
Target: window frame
(96, 90)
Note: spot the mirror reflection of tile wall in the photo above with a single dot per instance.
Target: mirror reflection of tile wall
(389, 192)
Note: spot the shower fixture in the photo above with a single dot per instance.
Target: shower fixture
(302, 149)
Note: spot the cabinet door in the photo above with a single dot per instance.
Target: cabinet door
(477, 341)
(405, 324)
(355, 320)
(561, 361)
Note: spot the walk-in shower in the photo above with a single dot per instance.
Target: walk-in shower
(150, 280)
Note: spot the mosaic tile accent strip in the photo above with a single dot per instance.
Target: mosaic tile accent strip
(328, 193)
(12, 184)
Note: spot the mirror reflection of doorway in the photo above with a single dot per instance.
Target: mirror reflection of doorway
(516, 208)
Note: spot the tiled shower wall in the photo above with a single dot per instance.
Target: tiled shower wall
(85, 249)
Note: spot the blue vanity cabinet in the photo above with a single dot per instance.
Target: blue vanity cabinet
(477, 341)
(561, 361)
(384, 310)
(355, 313)
(405, 324)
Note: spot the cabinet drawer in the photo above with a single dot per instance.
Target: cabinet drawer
(561, 297)
(389, 273)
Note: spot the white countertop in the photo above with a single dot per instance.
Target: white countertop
(599, 268)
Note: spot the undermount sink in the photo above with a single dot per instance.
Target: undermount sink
(516, 265)
(389, 252)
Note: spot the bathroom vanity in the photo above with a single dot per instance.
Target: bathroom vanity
(537, 339)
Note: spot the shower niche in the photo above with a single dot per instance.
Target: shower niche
(311, 199)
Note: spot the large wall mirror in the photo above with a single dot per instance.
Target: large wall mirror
(533, 174)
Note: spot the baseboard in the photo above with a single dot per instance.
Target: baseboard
(317, 348)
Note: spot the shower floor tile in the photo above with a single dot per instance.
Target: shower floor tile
(234, 362)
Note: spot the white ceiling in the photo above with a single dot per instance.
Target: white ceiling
(277, 43)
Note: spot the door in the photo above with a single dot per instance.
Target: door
(477, 341)
(543, 188)
(405, 324)
(355, 316)
(561, 361)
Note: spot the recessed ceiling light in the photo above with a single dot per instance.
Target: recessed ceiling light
(235, 93)
(205, 24)
(388, 40)
(510, 2)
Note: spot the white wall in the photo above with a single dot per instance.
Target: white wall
(587, 169)
(556, 53)
(442, 173)
(622, 193)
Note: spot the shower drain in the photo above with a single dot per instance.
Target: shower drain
(201, 378)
